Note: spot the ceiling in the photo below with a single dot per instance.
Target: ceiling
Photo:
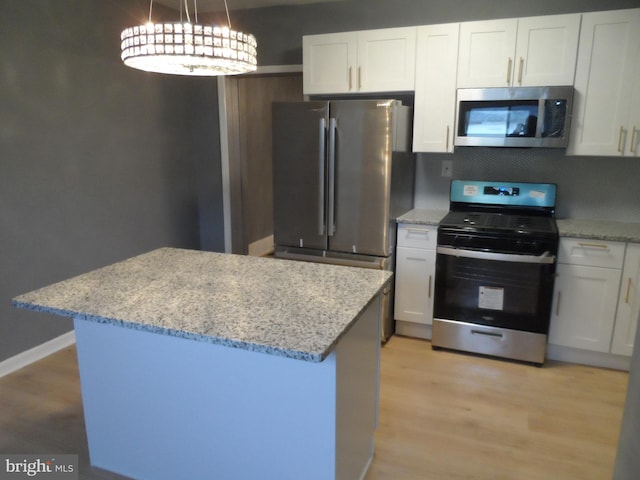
(218, 5)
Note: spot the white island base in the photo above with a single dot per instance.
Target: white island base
(162, 407)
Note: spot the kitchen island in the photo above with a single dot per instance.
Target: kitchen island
(202, 365)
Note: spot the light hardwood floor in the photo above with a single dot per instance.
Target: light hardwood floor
(443, 415)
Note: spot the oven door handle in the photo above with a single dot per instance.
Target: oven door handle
(545, 258)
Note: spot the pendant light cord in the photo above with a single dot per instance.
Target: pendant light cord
(186, 9)
(226, 8)
(195, 9)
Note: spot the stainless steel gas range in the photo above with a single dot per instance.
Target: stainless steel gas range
(495, 269)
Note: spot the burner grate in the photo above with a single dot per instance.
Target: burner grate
(472, 218)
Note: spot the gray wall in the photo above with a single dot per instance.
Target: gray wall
(98, 162)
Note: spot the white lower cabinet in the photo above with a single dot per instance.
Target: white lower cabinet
(628, 303)
(415, 276)
(596, 296)
(584, 306)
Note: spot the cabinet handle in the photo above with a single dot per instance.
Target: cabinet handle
(626, 298)
(593, 245)
(418, 230)
(633, 147)
(359, 78)
(350, 78)
(429, 297)
(520, 71)
(623, 132)
(558, 304)
(509, 64)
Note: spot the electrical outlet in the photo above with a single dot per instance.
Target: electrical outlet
(447, 168)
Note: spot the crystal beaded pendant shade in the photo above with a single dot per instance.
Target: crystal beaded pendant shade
(185, 48)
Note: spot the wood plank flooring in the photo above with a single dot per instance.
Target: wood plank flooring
(443, 416)
(447, 415)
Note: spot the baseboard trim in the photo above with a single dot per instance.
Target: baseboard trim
(413, 329)
(587, 357)
(36, 353)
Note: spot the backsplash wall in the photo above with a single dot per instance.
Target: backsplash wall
(588, 187)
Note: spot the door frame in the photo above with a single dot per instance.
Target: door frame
(231, 177)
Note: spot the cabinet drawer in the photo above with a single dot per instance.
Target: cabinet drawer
(417, 236)
(588, 252)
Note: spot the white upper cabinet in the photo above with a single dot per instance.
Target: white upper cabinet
(434, 105)
(359, 62)
(386, 60)
(532, 51)
(486, 53)
(328, 62)
(546, 50)
(606, 108)
(631, 145)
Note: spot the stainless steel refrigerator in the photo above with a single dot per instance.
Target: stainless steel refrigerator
(342, 174)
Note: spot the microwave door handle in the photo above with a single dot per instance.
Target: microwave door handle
(322, 155)
(545, 258)
(540, 126)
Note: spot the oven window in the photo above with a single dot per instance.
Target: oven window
(504, 294)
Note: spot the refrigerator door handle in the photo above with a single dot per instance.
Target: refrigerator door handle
(321, 174)
(331, 227)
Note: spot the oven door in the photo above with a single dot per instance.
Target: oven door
(510, 291)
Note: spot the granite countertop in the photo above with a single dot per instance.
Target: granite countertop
(599, 230)
(567, 227)
(422, 216)
(280, 307)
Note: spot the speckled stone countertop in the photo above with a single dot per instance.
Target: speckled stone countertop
(422, 216)
(599, 230)
(567, 227)
(280, 307)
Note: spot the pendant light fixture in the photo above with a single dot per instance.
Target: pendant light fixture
(185, 48)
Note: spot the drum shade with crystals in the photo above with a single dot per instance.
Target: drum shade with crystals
(185, 48)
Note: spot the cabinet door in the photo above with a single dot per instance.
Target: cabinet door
(415, 270)
(328, 62)
(584, 307)
(606, 73)
(546, 50)
(634, 116)
(486, 55)
(628, 303)
(386, 60)
(435, 98)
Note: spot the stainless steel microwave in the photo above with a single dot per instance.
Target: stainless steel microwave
(514, 117)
